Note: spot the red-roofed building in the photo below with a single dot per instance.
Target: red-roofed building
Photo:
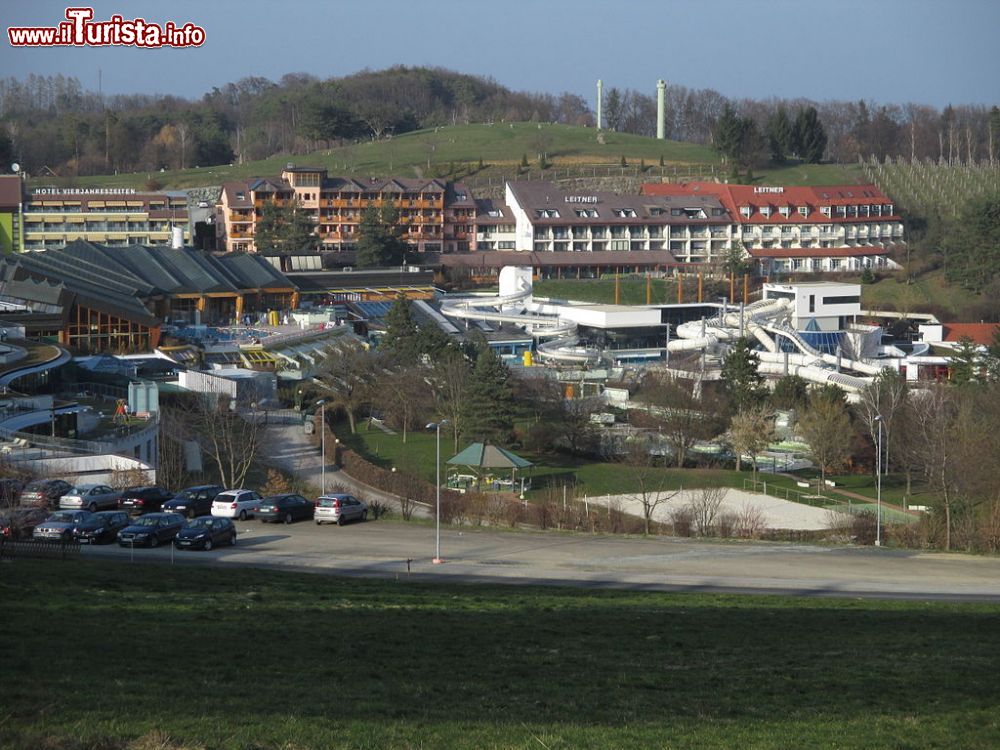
(801, 229)
(950, 334)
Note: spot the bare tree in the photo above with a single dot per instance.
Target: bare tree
(750, 432)
(704, 505)
(450, 379)
(881, 400)
(349, 377)
(650, 480)
(679, 411)
(935, 413)
(827, 428)
(230, 438)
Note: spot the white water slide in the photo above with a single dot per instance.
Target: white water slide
(765, 320)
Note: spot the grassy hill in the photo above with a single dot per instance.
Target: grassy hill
(456, 151)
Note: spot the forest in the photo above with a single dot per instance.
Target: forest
(52, 125)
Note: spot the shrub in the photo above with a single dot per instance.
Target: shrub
(379, 509)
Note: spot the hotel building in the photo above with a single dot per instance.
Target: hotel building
(434, 215)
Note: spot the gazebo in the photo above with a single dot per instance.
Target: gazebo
(479, 456)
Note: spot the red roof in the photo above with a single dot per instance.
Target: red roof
(734, 197)
(980, 333)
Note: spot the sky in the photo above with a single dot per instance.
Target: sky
(883, 51)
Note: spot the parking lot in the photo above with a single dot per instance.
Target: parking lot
(404, 551)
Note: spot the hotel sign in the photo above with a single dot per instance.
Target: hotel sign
(582, 199)
(769, 190)
(83, 191)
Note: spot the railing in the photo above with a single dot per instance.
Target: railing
(11, 550)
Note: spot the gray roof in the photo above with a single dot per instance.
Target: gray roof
(576, 207)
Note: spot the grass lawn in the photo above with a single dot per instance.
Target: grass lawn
(416, 457)
(112, 656)
(500, 147)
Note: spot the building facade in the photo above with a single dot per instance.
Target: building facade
(434, 215)
(116, 217)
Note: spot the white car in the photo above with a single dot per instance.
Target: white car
(235, 504)
(339, 509)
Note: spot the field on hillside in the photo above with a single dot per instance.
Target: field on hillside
(573, 152)
(119, 657)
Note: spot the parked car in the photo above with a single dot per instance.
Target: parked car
(205, 532)
(151, 529)
(20, 523)
(93, 497)
(138, 500)
(59, 527)
(235, 504)
(44, 493)
(194, 501)
(285, 508)
(102, 527)
(340, 508)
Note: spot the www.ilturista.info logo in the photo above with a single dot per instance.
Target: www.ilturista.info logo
(78, 30)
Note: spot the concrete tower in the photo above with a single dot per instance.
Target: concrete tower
(600, 102)
(661, 119)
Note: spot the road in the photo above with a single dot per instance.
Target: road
(402, 550)
(395, 549)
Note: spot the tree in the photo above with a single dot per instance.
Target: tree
(283, 228)
(991, 359)
(966, 363)
(380, 242)
(230, 436)
(881, 401)
(808, 136)
(401, 340)
(935, 412)
(827, 428)
(743, 383)
(349, 377)
(973, 244)
(649, 480)
(405, 397)
(451, 378)
(736, 260)
(750, 432)
(779, 135)
(489, 413)
(790, 392)
(681, 412)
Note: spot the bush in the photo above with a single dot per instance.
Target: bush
(379, 509)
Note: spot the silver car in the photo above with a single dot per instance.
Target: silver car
(92, 497)
(339, 509)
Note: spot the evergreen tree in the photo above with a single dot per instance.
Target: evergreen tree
(779, 135)
(743, 383)
(809, 136)
(401, 340)
(973, 244)
(489, 410)
(965, 363)
(379, 241)
(283, 228)
(727, 134)
(790, 392)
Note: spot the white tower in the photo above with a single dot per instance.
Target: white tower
(661, 121)
(600, 102)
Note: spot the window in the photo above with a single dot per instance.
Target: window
(625, 213)
(825, 210)
(676, 212)
(745, 211)
(785, 211)
(812, 303)
(803, 210)
(842, 300)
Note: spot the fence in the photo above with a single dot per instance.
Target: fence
(10, 550)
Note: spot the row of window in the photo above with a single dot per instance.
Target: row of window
(846, 211)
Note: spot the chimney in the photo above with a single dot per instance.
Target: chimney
(600, 102)
(661, 120)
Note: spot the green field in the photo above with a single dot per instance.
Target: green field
(571, 152)
(114, 657)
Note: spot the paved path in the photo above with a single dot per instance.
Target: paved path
(403, 551)
(288, 447)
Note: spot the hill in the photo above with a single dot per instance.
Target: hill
(456, 152)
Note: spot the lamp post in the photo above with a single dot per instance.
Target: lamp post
(437, 515)
(878, 485)
(322, 442)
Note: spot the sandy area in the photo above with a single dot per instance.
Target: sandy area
(777, 513)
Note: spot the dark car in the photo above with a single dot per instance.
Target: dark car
(44, 493)
(59, 527)
(205, 533)
(194, 501)
(138, 500)
(102, 528)
(20, 523)
(151, 530)
(285, 508)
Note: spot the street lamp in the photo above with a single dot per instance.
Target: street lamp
(437, 522)
(322, 441)
(878, 485)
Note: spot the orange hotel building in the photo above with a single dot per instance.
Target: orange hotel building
(434, 215)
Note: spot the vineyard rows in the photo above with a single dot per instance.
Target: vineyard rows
(922, 187)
